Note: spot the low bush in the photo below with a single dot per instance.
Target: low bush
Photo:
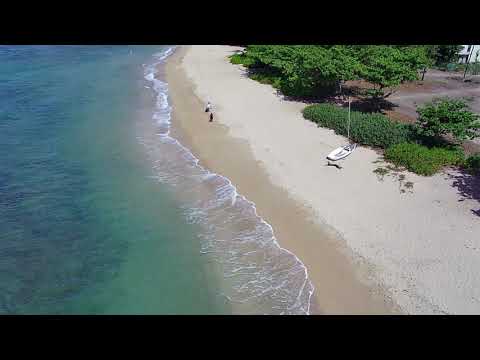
(423, 160)
(242, 59)
(472, 164)
(266, 78)
(367, 129)
(444, 116)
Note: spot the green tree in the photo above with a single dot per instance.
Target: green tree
(388, 66)
(443, 54)
(306, 70)
(447, 116)
(310, 70)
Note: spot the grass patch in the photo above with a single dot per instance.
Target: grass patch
(241, 59)
(380, 171)
(423, 160)
(408, 185)
(395, 168)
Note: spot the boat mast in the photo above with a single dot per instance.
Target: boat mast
(348, 127)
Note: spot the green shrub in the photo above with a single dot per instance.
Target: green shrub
(472, 164)
(447, 116)
(241, 59)
(367, 129)
(423, 160)
(266, 78)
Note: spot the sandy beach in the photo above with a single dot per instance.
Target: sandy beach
(371, 244)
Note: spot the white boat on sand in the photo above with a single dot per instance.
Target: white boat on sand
(343, 151)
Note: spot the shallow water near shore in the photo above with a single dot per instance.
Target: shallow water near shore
(85, 228)
(103, 212)
(257, 275)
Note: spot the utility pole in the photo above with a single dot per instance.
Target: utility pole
(468, 61)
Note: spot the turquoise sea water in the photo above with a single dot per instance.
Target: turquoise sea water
(84, 228)
(102, 212)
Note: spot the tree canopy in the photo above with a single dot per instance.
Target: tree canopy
(389, 66)
(307, 69)
(443, 54)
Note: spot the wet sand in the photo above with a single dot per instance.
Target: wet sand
(417, 238)
(341, 280)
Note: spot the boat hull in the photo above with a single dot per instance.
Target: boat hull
(341, 152)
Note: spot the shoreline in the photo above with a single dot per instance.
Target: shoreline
(341, 287)
(370, 243)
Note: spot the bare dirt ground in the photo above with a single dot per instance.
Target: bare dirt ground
(436, 84)
(403, 102)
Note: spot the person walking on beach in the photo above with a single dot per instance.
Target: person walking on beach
(211, 116)
(207, 109)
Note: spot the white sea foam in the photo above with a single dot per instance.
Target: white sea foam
(260, 273)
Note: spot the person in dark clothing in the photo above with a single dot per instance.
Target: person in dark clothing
(211, 117)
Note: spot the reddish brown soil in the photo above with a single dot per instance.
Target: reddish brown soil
(402, 104)
(399, 117)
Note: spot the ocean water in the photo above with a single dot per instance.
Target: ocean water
(102, 212)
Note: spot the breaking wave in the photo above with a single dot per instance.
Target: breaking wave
(260, 276)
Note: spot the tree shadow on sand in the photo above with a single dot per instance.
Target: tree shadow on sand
(322, 95)
(369, 105)
(468, 187)
(318, 99)
(363, 102)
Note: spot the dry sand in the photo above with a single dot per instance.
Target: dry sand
(370, 245)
